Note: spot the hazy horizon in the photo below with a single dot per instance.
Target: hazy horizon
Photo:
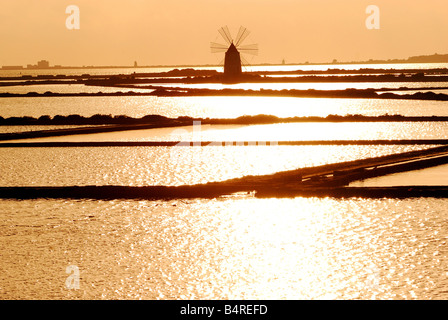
(174, 32)
(131, 65)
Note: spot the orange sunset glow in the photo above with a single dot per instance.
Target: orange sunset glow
(177, 32)
(231, 158)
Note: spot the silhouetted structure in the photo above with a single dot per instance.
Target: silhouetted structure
(42, 64)
(233, 59)
(232, 62)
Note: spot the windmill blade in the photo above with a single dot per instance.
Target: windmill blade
(225, 34)
(244, 62)
(243, 33)
(218, 47)
(249, 49)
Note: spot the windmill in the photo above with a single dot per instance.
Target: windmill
(234, 50)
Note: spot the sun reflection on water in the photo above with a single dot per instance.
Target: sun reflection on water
(235, 247)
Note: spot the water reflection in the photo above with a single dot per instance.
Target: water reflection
(140, 166)
(215, 107)
(435, 176)
(271, 132)
(64, 88)
(228, 248)
(304, 85)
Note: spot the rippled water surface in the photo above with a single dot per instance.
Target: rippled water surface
(64, 88)
(233, 247)
(271, 132)
(309, 85)
(20, 128)
(141, 166)
(215, 107)
(227, 248)
(434, 176)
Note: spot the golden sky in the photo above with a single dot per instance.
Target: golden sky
(175, 32)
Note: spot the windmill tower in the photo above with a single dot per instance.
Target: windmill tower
(233, 51)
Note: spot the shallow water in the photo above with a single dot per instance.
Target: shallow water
(27, 128)
(64, 88)
(228, 248)
(215, 107)
(140, 166)
(271, 132)
(235, 247)
(434, 176)
(309, 85)
(80, 88)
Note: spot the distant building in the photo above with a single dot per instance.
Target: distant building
(43, 64)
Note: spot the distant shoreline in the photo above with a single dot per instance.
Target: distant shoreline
(435, 58)
(192, 76)
(103, 119)
(108, 123)
(292, 93)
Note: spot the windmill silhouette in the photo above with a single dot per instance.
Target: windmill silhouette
(234, 51)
